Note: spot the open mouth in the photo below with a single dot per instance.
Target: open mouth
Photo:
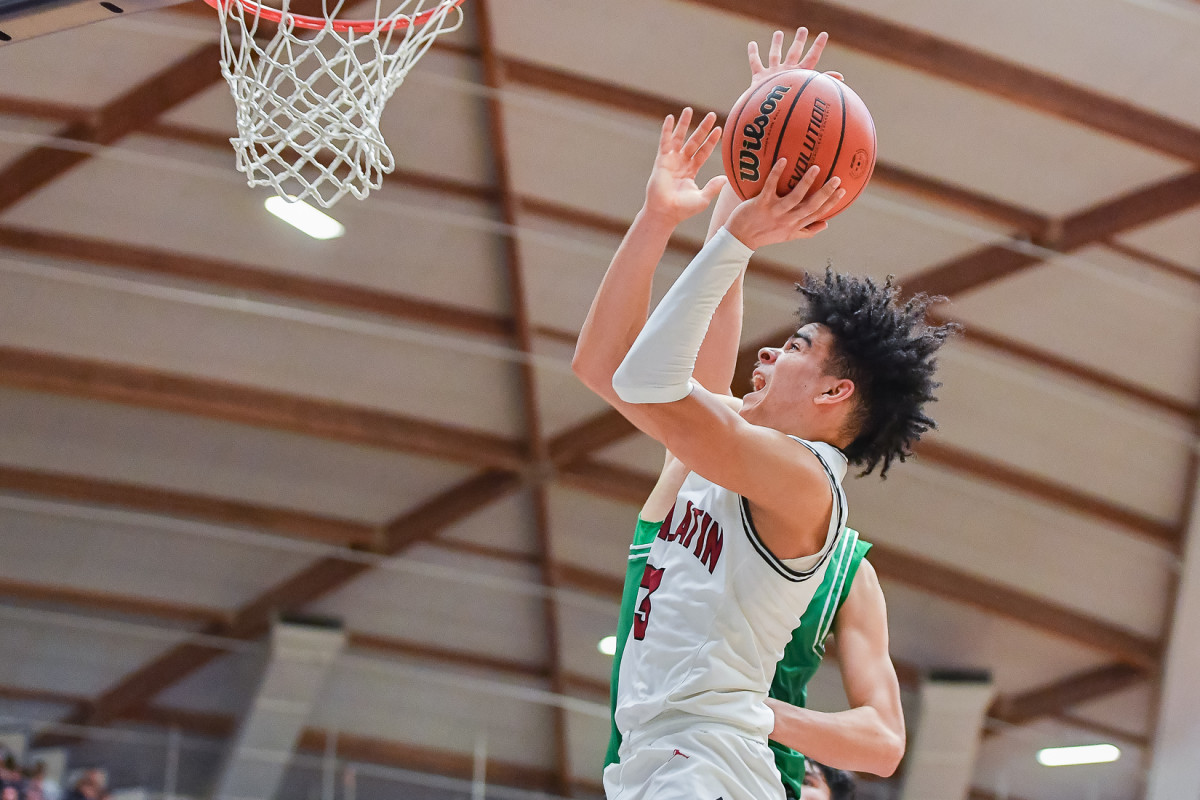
(757, 381)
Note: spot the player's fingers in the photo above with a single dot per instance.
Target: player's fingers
(814, 228)
(797, 49)
(713, 188)
(776, 49)
(668, 130)
(796, 194)
(815, 203)
(681, 127)
(814, 53)
(700, 136)
(756, 65)
(770, 188)
(707, 146)
(829, 205)
(839, 76)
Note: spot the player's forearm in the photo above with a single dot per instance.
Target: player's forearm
(858, 739)
(718, 355)
(622, 303)
(660, 364)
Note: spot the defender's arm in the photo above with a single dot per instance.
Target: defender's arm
(869, 737)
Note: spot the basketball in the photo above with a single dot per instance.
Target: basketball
(808, 118)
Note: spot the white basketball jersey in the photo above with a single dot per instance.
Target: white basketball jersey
(715, 611)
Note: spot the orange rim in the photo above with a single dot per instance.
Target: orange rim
(318, 23)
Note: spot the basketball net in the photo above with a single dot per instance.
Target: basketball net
(310, 91)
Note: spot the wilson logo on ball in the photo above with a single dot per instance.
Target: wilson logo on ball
(754, 131)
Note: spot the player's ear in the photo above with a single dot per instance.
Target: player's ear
(839, 391)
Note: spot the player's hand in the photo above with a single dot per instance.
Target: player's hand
(768, 218)
(796, 58)
(672, 192)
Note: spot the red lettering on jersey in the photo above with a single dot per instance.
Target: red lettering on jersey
(695, 525)
(713, 543)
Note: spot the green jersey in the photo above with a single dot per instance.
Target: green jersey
(801, 657)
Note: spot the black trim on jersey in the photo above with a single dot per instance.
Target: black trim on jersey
(796, 576)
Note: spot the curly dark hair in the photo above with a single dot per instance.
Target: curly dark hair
(886, 347)
(840, 783)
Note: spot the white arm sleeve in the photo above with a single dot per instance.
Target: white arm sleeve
(658, 367)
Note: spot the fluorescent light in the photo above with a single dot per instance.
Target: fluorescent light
(1084, 754)
(304, 217)
(608, 645)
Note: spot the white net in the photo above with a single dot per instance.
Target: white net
(309, 101)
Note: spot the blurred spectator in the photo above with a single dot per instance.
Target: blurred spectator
(90, 786)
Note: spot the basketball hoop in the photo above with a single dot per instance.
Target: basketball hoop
(311, 90)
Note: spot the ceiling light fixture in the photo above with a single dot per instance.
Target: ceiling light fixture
(1084, 754)
(608, 645)
(302, 216)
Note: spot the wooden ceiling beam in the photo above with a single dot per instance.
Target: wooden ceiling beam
(495, 78)
(292, 594)
(995, 473)
(182, 613)
(1000, 600)
(1088, 227)
(179, 82)
(234, 275)
(146, 388)
(1166, 265)
(975, 69)
(1072, 690)
(169, 502)
(448, 656)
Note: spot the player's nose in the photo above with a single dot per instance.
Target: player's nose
(767, 354)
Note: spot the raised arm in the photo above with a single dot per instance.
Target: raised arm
(622, 302)
(869, 736)
(718, 355)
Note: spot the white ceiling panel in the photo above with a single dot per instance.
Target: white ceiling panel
(405, 241)
(73, 653)
(1007, 766)
(507, 525)
(384, 369)
(932, 633)
(1127, 710)
(454, 600)
(438, 708)
(94, 549)
(1061, 430)
(1103, 310)
(18, 134)
(1176, 237)
(590, 532)
(932, 513)
(1076, 39)
(583, 622)
(107, 60)
(216, 459)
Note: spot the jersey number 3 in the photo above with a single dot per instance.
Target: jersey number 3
(651, 579)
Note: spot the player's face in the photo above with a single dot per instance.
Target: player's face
(814, 787)
(792, 373)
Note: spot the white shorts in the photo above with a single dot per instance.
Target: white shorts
(696, 765)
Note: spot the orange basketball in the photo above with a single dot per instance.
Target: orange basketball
(808, 118)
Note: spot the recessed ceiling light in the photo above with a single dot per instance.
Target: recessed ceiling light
(1084, 754)
(608, 645)
(305, 218)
